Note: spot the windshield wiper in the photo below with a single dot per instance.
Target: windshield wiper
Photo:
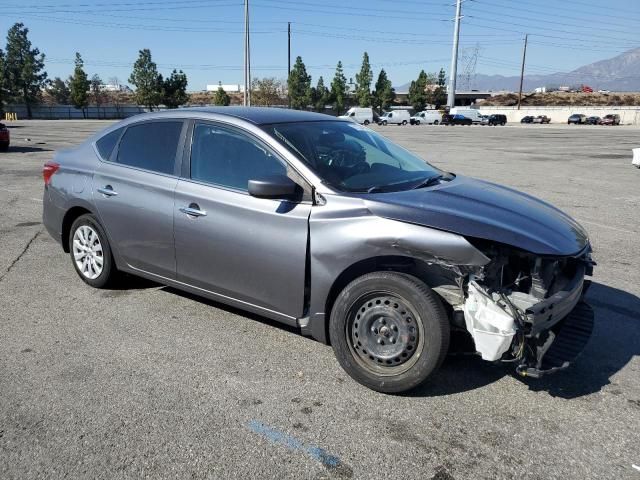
(429, 182)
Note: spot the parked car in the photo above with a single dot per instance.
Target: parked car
(577, 119)
(327, 226)
(5, 138)
(497, 119)
(527, 119)
(449, 119)
(484, 120)
(397, 117)
(472, 113)
(594, 120)
(541, 119)
(363, 116)
(611, 119)
(430, 117)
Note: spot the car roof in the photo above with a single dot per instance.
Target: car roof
(262, 115)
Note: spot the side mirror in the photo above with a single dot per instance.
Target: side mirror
(274, 186)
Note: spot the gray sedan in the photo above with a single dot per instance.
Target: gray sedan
(325, 225)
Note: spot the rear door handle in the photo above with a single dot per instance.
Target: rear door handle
(108, 191)
(193, 210)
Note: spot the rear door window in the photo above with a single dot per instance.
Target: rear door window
(107, 143)
(151, 146)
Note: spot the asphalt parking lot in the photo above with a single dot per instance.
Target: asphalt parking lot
(147, 381)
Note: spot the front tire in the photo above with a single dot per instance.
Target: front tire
(366, 123)
(389, 331)
(384, 124)
(435, 122)
(90, 252)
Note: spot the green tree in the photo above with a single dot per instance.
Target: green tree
(221, 97)
(174, 90)
(79, 86)
(320, 96)
(59, 90)
(363, 83)
(2, 83)
(418, 95)
(24, 68)
(147, 81)
(299, 85)
(439, 96)
(384, 94)
(339, 89)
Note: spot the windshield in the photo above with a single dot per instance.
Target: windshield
(352, 158)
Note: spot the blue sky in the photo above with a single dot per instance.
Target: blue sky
(204, 37)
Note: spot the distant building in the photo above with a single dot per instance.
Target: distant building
(229, 88)
(540, 90)
(114, 87)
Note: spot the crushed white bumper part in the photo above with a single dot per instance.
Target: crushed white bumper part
(491, 327)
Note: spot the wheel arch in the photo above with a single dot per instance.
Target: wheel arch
(430, 273)
(69, 217)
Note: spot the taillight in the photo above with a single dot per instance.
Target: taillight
(48, 170)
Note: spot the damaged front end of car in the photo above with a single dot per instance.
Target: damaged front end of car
(528, 309)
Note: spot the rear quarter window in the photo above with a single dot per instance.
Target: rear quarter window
(107, 143)
(151, 146)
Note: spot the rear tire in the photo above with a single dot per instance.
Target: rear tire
(4, 146)
(90, 252)
(404, 122)
(389, 331)
(366, 123)
(435, 122)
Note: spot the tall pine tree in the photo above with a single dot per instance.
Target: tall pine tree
(384, 94)
(79, 86)
(363, 82)
(24, 68)
(174, 89)
(299, 84)
(147, 81)
(339, 89)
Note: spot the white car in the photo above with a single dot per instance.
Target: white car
(396, 117)
(429, 117)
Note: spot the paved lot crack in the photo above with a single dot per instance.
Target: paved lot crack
(17, 259)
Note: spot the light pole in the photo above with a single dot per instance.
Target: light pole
(247, 58)
(453, 73)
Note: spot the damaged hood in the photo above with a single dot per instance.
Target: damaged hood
(475, 208)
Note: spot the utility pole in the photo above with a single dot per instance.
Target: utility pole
(453, 73)
(524, 57)
(247, 58)
(288, 61)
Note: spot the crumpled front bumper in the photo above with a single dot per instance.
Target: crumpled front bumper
(555, 348)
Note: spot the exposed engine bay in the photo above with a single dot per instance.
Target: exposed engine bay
(516, 305)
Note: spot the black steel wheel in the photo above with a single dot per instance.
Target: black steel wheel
(389, 331)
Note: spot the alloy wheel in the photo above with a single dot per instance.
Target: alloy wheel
(87, 252)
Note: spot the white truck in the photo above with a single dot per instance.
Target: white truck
(395, 117)
(471, 113)
(360, 115)
(429, 117)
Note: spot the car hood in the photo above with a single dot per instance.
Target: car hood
(475, 208)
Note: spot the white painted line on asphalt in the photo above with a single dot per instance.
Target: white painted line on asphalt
(608, 226)
(36, 199)
(636, 467)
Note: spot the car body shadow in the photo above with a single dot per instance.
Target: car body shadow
(22, 149)
(614, 343)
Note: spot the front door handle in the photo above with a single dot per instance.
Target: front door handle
(108, 191)
(193, 210)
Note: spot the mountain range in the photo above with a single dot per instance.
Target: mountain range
(620, 74)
